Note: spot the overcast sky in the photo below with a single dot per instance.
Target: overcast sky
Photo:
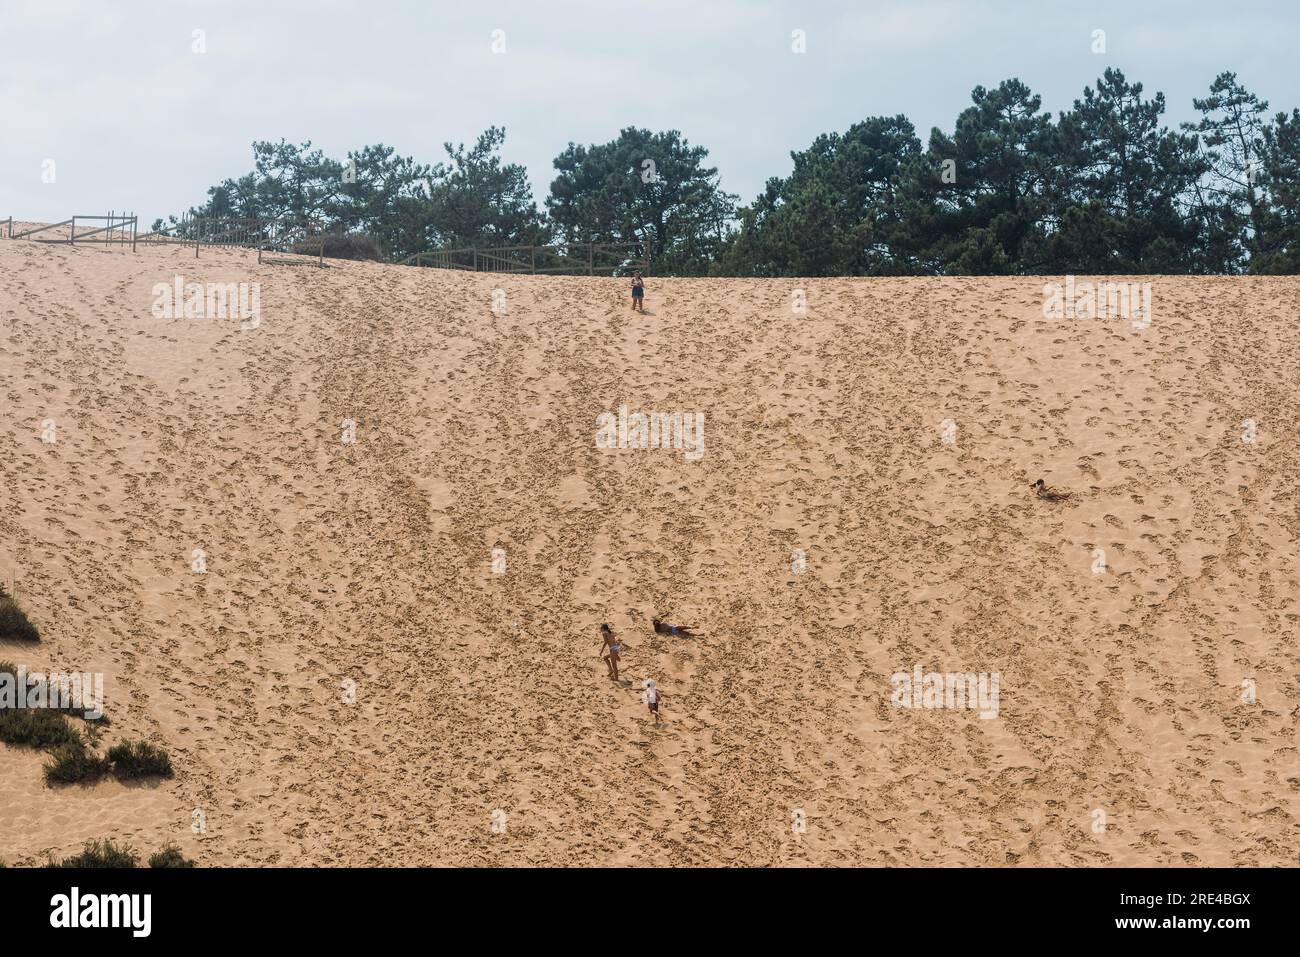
(113, 93)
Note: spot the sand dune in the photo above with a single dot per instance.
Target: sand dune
(475, 430)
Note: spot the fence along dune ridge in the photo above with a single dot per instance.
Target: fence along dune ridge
(556, 259)
(282, 235)
(276, 235)
(120, 229)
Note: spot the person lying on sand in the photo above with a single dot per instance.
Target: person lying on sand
(1049, 494)
(638, 293)
(678, 631)
(609, 649)
(652, 697)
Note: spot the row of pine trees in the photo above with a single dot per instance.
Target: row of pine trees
(1105, 187)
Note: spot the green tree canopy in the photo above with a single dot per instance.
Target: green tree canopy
(1228, 203)
(644, 187)
(1120, 200)
(976, 202)
(1277, 244)
(836, 214)
(472, 199)
(1106, 187)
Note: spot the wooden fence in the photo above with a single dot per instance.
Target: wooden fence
(574, 259)
(284, 239)
(120, 230)
(302, 241)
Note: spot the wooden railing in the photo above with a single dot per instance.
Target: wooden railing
(573, 259)
(120, 229)
(280, 237)
(285, 237)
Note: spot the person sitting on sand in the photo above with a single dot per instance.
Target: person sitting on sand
(652, 698)
(638, 293)
(609, 649)
(1049, 494)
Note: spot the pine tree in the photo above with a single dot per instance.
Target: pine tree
(1277, 242)
(1120, 199)
(1229, 205)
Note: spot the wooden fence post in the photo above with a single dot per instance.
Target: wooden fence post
(72, 233)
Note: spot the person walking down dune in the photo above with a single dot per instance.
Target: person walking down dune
(638, 293)
(677, 631)
(609, 649)
(652, 698)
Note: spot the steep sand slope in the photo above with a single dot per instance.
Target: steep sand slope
(371, 561)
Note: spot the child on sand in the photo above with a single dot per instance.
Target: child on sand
(609, 649)
(638, 293)
(652, 698)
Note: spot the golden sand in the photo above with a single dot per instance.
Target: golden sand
(1121, 691)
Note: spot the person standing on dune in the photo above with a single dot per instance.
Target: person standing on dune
(609, 649)
(638, 293)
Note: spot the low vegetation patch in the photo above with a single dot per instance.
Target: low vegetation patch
(31, 727)
(356, 246)
(100, 854)
(75, 764)
(14, 624)
(170, 856)
(139, 759)
(74, 758)
(40, 692)
(43, 727)
(106, 853)
(36, 728)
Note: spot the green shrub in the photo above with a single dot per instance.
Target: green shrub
(33, 727)
(356, 246)
(37, 728)
(14, 625)
(75, 763)
(139, 759)
(100, 854)
(170, 856)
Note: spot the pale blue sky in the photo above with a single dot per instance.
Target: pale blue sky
(110, 90)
